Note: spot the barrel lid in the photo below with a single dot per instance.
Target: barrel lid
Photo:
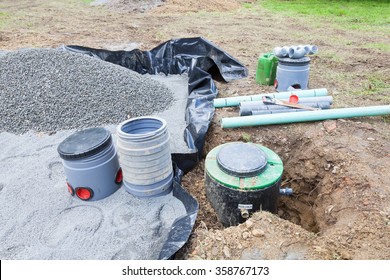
(266, 176)
(294, 61)
(84, 143)
(241, 159)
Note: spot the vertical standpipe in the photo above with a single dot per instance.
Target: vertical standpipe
(145, 156)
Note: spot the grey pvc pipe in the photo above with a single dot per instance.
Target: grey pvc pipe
(305, 116)
(245, 111)
(281, 51)
(235, 101)
(303, 100)
(266, 112)
(296, 52)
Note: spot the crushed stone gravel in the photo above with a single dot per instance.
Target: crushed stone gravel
(51, 89)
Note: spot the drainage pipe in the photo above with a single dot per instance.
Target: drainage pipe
(305, 116)
(235, 101)
(266, 112)
(300, 101)
(244, 111)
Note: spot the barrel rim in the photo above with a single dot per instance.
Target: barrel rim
(142, 136)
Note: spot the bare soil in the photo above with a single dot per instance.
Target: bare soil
(338, 169)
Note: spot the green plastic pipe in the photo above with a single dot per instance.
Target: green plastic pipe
(306, 116)
(235, 101)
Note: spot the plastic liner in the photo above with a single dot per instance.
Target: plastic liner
(202, 61)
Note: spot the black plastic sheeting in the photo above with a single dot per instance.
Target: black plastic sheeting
(202, 61)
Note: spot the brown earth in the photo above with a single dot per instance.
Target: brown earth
(338, 169)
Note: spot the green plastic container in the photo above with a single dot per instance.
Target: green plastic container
(266, 69)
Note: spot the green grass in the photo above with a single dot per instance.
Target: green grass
(87, 1)
(3, 17)
(379, 46)
(375, 85)
(353, 14)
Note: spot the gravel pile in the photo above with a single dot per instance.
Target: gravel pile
(50, 90)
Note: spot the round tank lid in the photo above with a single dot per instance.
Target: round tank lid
(84, 143)
(242, 160)
(267, 176)
(294, 61)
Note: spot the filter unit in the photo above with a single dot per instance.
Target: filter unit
(292, 73)
(242, 178)
(91, 164)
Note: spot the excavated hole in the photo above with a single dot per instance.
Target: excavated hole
(299, 207)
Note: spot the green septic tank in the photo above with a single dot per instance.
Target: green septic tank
(266, 69)
(242, 178)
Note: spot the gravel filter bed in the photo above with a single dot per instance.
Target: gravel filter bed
(40, 220)
(50, 90)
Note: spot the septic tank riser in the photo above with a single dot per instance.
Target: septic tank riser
(225, 199)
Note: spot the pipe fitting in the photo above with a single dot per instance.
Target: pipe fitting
(313, 49)
(281, 51)
(286, 191)
(296, 52)
(244, 213)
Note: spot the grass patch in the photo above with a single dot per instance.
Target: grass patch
(87, 1)
(3, 17)
(375, 85)
(354, 14)
(379, 46)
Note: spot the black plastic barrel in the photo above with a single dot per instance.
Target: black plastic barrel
(242, 178)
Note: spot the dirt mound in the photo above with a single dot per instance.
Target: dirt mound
(182, 6)
(129, 5)
(169, 6)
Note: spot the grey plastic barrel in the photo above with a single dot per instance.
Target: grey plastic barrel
(91, 164)
(145, 156)
(292, 73)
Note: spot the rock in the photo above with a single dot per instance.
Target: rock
(245, 235)
(258, 232)
(370, 139)
(330, 125)
(226, 252)
(249, 224)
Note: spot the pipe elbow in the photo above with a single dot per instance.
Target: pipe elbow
(296, 52)
(281, 51)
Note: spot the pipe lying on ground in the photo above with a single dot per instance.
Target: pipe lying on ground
(235, 101)
(303, 100)
(245, 110)
(305, 116)
(267, 112)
